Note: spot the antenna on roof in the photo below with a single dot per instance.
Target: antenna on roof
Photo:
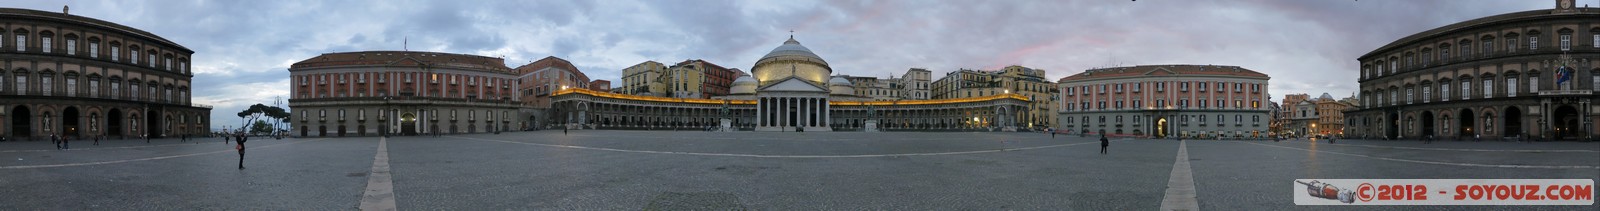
(405, 44)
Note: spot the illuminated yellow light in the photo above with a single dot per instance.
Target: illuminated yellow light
(580, 90)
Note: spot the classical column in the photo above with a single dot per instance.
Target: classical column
(759, 104)
(805, 119)
(827, 113)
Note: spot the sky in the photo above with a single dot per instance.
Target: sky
(244, 48)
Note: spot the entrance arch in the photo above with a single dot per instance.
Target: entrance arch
(1565, 124)
(1465, 119)
(114, 122)
(1393, 123)
(69, 121)
(152, 124)
(1427, 123)
(1513, 122)
(20, 119)
(1161, 127)
(408, 124)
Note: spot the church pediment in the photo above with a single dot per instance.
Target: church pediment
(793, 84)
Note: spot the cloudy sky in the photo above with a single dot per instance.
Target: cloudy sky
(243, 48)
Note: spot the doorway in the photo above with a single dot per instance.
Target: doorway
(1465, 119)
(1513, 124)
(1427, 124)
(408, 124)
(20, 119)
(69, 121)
(114, 122)
(1565, 123)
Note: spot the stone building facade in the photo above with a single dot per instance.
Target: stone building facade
(1160, 101)
(1522, 74)
(404, 93)
(74, 76)
(1029, 82)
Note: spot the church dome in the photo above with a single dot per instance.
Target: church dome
(744, 85)
(840, 81)
(793, 48)
(791, 60)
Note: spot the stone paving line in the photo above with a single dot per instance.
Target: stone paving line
(1467, 150)
(1432, 162)
(144, 159)
(1180, 194)
(776, 156)
(380, 185)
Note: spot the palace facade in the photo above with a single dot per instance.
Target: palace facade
(1160, 101)
(74, 76)
(1515, 75)
(403, 92)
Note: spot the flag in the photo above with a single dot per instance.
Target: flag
(1563, 74)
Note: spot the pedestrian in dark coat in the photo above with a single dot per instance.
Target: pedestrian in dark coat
(240, 147)
(1104, 143)
(55, 140)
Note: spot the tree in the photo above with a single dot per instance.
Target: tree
(255, 112)
(261, 126)
(250, 115)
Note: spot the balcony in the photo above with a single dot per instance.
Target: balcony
(1566, 93)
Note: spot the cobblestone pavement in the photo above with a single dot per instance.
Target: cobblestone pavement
(664, 170)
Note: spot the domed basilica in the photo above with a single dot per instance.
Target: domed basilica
(789, 89)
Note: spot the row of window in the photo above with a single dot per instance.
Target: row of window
(322, 80)
(1394, 63)
(1393, 97)
(1183, 103)
(47, 87)
(1238, 87)
(47, 45)
(361, 114)
(1182, 119)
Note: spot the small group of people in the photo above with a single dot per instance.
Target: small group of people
(60, 141)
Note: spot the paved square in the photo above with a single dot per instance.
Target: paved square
(676, 170)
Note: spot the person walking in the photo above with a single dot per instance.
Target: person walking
(97, 140)
(55, 140)
(1476, 138)
(64, 142)
(1104, 143)
(563, 130)
(240, 147)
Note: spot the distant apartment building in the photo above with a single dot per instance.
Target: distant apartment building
(1029, 82)
(644, 79)
(600, 85)
(545, 76)
(688, 79)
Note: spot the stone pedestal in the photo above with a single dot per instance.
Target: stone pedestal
(870, 126)
(727, 125)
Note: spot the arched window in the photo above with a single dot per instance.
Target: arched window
(152, 61)
(45, 41)
(72, 44)
(94, 47)
(1565, 37)
(166, 62)
(44, 82)
(22, 39)
(133, 54)
(116, 51)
